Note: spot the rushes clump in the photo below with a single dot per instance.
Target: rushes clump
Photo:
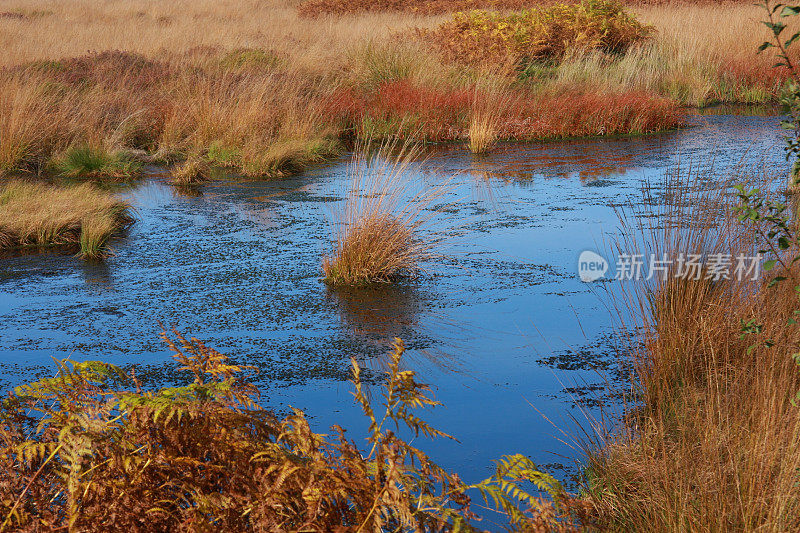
(482, 133)
(713, 442)
(80, 216)
(192, 171)
(87, 161)
(378, 234)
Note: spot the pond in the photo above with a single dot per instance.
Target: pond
(518, 349)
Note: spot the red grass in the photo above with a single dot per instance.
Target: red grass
(316, 8)
(402, 109)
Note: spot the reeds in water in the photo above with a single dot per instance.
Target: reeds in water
(712, 442)
(380, 233)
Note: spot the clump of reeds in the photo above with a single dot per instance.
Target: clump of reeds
(81, 216)
(490, 106)
(482, 133)
(192, 171)
(379, 234)
(713, 440)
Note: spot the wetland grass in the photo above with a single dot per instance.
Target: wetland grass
(712, 442)
(482, 133)
(380, 234)
(79, 216)
(275, 104)
(87, 161)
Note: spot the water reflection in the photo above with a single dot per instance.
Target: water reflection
(96, 272)
(381, 310)
(189, 191)
(379, 313)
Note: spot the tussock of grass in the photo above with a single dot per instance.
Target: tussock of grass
(379, 232)
(489, 108)
(379, 61)
(87, 161)
(715, 443)
(193, 170)
(482, 133)
(33, 214)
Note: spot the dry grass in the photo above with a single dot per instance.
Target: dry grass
(700, 54)
(489, 108)
(43, 215)
(715, 443)
(316, 8)
(379, 234)
(270, 103)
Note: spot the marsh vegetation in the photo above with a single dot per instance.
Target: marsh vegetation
(708, 440)
(79, 217)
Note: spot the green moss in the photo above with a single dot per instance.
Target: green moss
(224, 155)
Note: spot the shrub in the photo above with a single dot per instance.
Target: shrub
(548, 33)
(44, 215)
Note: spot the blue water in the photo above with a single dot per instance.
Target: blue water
(518, 348)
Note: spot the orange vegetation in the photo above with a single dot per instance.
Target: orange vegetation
(445, 114)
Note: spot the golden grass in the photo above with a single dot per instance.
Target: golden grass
(34, 214)
(715, 443)
(489, 106)
(380, 234)
(723, 35)
(258, 101)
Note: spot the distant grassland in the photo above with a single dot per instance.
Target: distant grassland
(259, 88)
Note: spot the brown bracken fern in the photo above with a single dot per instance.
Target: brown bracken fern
(89, 450)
